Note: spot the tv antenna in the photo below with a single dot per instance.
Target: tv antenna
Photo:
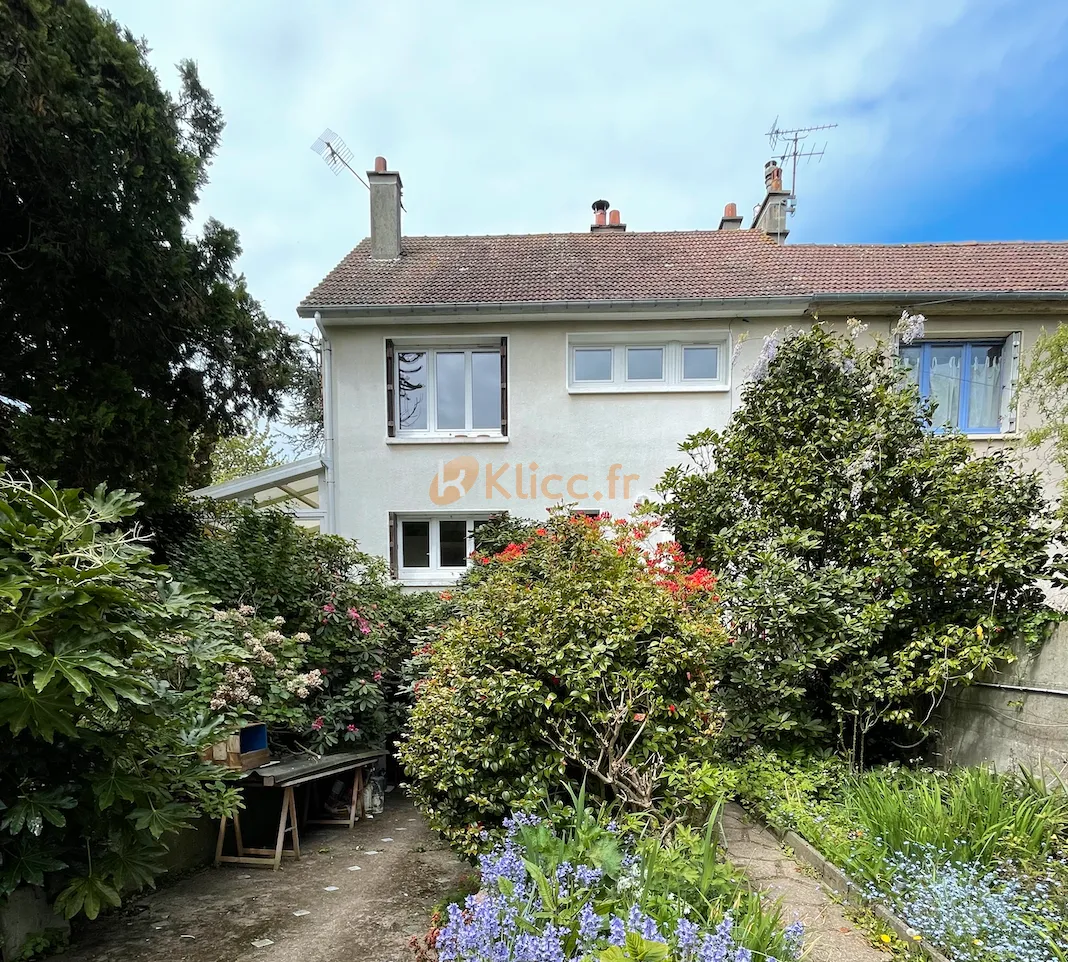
(337, 154)
(794, 149)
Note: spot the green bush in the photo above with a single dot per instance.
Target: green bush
(349, 621)
(570, 657)
(262, 558)
(101, 653)
(867, 563)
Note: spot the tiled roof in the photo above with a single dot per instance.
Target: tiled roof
(673, 265)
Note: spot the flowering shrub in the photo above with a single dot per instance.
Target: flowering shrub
(575, 655)
(265, 678)
(867, 564)
(595, 905)
(339, 627)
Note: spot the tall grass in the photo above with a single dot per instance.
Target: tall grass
(971, 814)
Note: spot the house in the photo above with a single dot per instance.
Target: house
(465, 376)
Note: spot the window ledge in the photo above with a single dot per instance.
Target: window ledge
(648, 388)
(450, 439)
(431, 581)
(999, 436)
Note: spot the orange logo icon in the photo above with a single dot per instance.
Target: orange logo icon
(453, 480)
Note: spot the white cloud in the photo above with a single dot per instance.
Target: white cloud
(515, 117)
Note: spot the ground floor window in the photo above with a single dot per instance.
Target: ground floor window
(432, 548)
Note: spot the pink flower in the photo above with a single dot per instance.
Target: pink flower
(353, 614)
(378, 676)
(353, 728)
(329, 609)
(318, 723)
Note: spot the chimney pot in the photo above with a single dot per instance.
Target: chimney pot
(613, 218)
(730, 219)
(773, 175)
(380, 165)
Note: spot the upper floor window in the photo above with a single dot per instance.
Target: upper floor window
(969, 381)
(446, 389)
(661, 361)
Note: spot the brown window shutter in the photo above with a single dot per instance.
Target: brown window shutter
(394, 566)
(504, 386)
(391, 402)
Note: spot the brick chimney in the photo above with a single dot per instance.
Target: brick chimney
(731, 220)
(385, 212)
(770, 216)
(601, 223)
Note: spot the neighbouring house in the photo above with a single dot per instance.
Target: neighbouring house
(465, 376)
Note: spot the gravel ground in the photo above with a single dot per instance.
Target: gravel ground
(215, 915)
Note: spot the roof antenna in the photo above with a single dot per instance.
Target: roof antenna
(337, 154)
(794, 150)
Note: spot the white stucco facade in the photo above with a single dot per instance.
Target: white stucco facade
(602, 451)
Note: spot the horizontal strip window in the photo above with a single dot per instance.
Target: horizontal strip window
(668, 362)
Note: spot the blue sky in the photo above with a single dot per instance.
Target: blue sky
(514, 117)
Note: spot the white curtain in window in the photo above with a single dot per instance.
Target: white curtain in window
(945, 385)
(984, 389)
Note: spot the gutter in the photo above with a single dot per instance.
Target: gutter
(936, 297)
(777, 305)
(329, 500)
(724, 306)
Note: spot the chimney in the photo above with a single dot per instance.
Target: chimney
(730, 219)
(770, 216)
(600, 215)
(599, 225)
(385, 212)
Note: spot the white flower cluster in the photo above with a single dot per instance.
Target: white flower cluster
(303, 685)
(910, 327)
(236, 688)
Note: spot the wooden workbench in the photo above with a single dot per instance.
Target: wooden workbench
(285, 776)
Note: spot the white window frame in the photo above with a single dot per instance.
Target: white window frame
(432, 347)
(672, 343)
(435, 574)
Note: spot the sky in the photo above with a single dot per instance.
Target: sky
(514, 117)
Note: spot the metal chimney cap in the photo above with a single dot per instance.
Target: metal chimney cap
(601, 205)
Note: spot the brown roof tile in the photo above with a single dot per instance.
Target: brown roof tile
(672, 265)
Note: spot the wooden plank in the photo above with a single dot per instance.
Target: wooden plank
(324, 764)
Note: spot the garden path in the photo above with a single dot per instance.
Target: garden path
(829, 935)
(215, 915)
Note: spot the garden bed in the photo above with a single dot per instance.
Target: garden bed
(968, 866)
(587, 889)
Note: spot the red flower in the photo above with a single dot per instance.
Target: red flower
(328, 608)
(542, 531)
(672, 709)
(640, 717)
(446, 596)
(378, 676)
(318, 723)
(352, 728)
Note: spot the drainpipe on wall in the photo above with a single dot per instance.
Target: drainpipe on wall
(329, 495)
